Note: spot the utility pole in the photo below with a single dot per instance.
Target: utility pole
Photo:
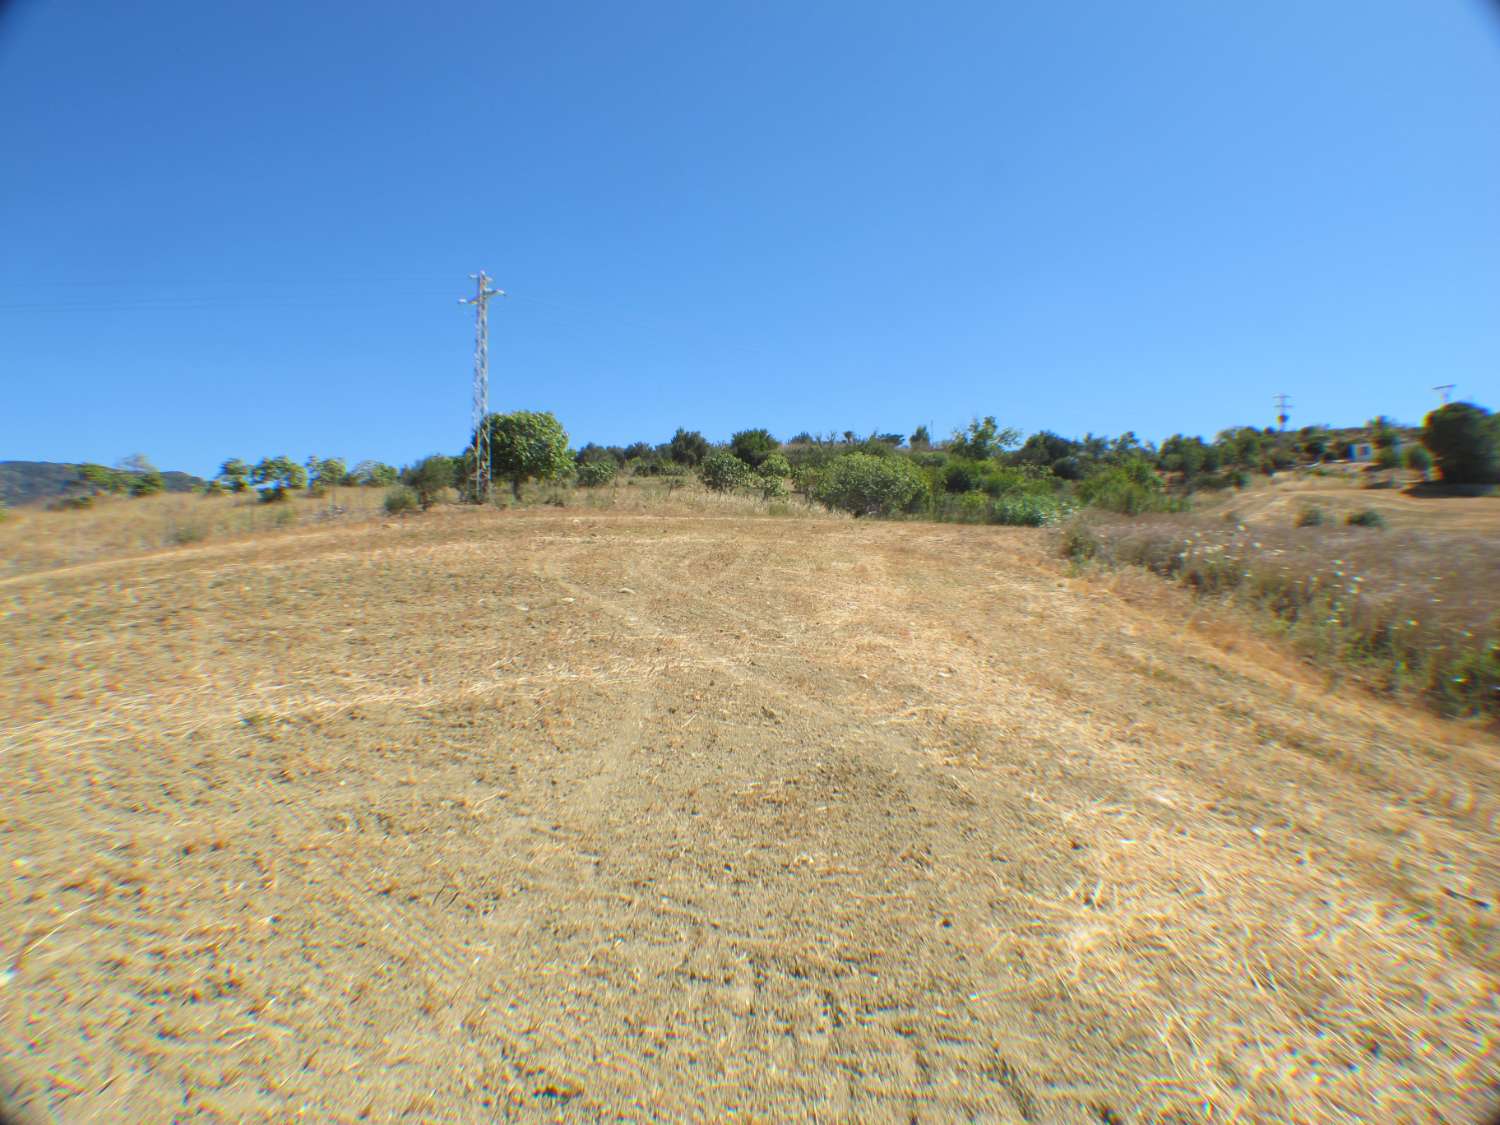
(1445, 390)
(481, 302)
(1282, 402)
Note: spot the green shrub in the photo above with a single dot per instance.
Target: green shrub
(429, 478)
(775, 465)
(962, 476)
(866, 485)
(722, 471)
(1079, 542)
(594, 474)
(1131, 487)
(971, 507)
(1464, 442)
(401, 498)
(753, 446)
(1366, 517)
(1387, 458)
(377, 474)
(1417, 459)
(1027, 509)
(1310, 517)
(147, 484)
(1007, 480)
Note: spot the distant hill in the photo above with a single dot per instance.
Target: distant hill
(31, 482)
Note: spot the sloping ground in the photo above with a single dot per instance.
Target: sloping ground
(1278, 502)
(576, 816)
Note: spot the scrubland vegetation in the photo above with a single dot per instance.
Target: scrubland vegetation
(1409, 610)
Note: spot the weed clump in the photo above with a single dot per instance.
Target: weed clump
(401, 499)
(1367, 517)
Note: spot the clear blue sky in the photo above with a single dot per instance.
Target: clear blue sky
(244, 229)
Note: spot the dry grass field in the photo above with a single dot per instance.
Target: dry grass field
(1410, 605)
(674, 812)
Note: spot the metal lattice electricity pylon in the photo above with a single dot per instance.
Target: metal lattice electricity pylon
(481, 301)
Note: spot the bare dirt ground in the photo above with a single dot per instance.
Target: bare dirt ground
(569, 815)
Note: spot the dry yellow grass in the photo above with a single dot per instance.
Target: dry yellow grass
(35, 538)
(665, 811)
(1276, 502)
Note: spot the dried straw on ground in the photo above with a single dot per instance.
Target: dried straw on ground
(578, 814)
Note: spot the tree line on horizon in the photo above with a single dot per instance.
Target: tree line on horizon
(982, 473)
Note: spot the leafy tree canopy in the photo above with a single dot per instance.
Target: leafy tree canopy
(234, 475)
(983, 440)
(429, 478)
(1465, 443)
(278, 474)
(687, 447)
(753, 446)
(528, 445)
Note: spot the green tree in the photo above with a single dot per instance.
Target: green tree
(234, 475)
(330, 472)
(103, 478)
(1417, 459)
(323, 474)
(983, 440)
(753, 446)
(1130, 487)
(920, 438)
(687, 447)
(1463, 441)
(594, 474)
(527, 445)
(429, 478)
(772, 476)
(1242, 447)
(375, 474)
(147, 483)
(722, 471)
(1189, 456)
(275, 476)
(866, 485)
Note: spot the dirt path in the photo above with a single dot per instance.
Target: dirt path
(564, 816)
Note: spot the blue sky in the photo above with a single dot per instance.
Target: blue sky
(244, 229)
